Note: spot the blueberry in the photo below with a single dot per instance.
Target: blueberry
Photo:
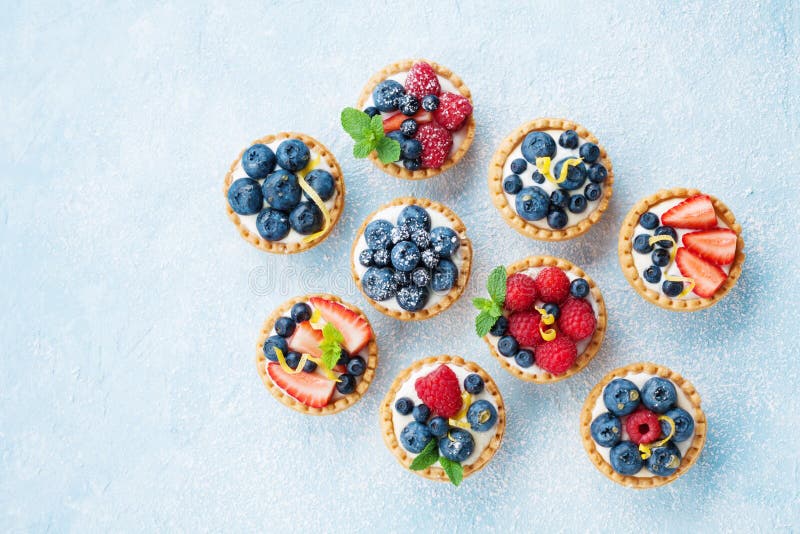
(641, 244)
(621, 396)
(559, 198)
(429, 258)
(309, 366)
(356, 366)
(430, 103)
(371, 111)
(507, 346)
(473, 384)
(519, 165)
(281, 190)
(444, 276)
(664, 460)
(606, 429)
(438, 426)
(481, 415)
(577, 204)
(412, 298)
(649, 220)
(672, 289)
(592, 192)
(346, 383)
(532, 203)
(378, 283)
(293, 155)
(421, 413)
(412, 164)
(457, 445)
(410, 149)
(512, 184)
(414, 216)
(537, 145)
(365, 257)
(553, 309)
(397, 135)
(444, 240)
(399, 233)
(500, 327)
(381, 257)
(408, 128)
(576, 174)
(421, 277)
(320, 181)
(293, 359)
(405, 256)
(272, 343)
(597, 174)
(579, 288)
(258, 161)
(386, 95)
(284, 326)
(666, 230)
(659, 394)
(408, 104)
(306, 218)
(272, 224)
(404, 405)
(684, 424)
(378, 234)
(300, 312)
(660, 257)
(589, 152)
(524, 358)
(402, 279)
(557, 218)
(538, 177)
(421, 238)
(245, 197)
(625, 457)
(652, 274)
(415, 437)
(569, 139)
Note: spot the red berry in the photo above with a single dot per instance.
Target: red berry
(643, 426)
(453, 111)
(422, 81)
(552, 285)
(556, 356)
(520, 292)
(436, 144)
(441, 391)
(577, 319)
(524, 327)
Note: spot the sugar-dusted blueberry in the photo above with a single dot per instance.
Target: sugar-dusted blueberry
(378, 283)
(553, 309)
(473, 384)
(500, 327)
(272, 343)
(481, 415)
(672, 288)
(281, 190)
(285, 326)
(579, 288)
(272, 224)
(378, 234)
(666, 230)
(300, 312)
(519, 165)
(621, 396)
(589, 152)
(660, 257)
(293, 359)
(365, 257)
(429, 258)
(421, 238)
(626, 458)
(557, 218)
(659, 394)
(410, 149)
(408, 104)
(346, 383)
(507, 346)
(577, 203)
(576, 174)
(386, 94)
(408, 127)
(524, 358)
(405, 256)
(532, 203)
(641, 244)
(664, 460)
(597, 174)
(415, 436)
(538, 145)
(438, 426)
(414, 216)
(258, 161)
(430, 102)
(412, 298)
(421, 413)
(652, 274)
(356, 366)
(444, 276)
(559, 198)
(245, 196)
(371, 111)
(306, 218)
(404, 405)
(412, 164)
(538, 177)
(293, 155)
(421, 277)
(381, 257)
(649, 220)
(592, 192)
(569, 139)
(399, 233)
(402, 279)
(512, 184)
(684, 425)
(444, 240)
(457, 445)
(322, 182)
(606, 429)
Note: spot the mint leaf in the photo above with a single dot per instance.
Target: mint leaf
(497, 284)
(376, 125)
(484, 322)
(427, 457)
(331, 345)
(452, 469)
(388, 150)
(362, 149)
(482, 304)
(355, 122)
(495, 310)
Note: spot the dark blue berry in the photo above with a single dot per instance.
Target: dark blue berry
(356, 366)
(666, 230)
(378, 283)
(557, 218)
(576, 174)
(284, 326)
(589, 152)
(408, 104)
(664, 460)
(346, 383)
(684, 424)
(404, 405)
(409, 127)
(421, 238)
(553, 309)
(344, 358)
(412, 164)
(524, 358)
(402, 279)
(641, 244)
(672, 289)
(507, 346)
(293, 155)
(621, 396)
(569, 139)
(438, 426)
(320, 181)
(659, 394)
(430, 258)
(652, 274)
(405, 256)
(381, 257)
(309, 366)
(532, 203)
(365, 257)
(378, 234)
(577, 203)
(410, 149)
(300, 312)
(649, 220)
(625, 458)
(592, 191)
(457, 445)
(538, 177)
(512, 184)
(559, 198)
(421, 413)
(306, 218)
(421, 277)
(272, 224)
(272, 343)
(444, 240)
(258, 161)
(415, 436)
(537, 145)
(400, 233)
(430, 103)
(386, 95)
(481, 415)
(597, 174)
(412, 298)
(246, 198)
(473, 384)
(371, 111)
(444, 276)
(281, 190)
(660, 257)
(397, 135)
(414, 216)
(606, 429)
(579, 288)
(519, 165)
(293, 359)
(500, 327)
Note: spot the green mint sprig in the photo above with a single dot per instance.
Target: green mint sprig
(368, 135)
(331, 345)
(492, 308)
(430, 455)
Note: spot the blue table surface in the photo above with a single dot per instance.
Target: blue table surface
(131, 308)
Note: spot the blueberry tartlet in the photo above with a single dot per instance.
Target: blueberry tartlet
(412, 258)
(643, 426)
(425, 108)
(285, 193)
(317, 354)
(544, 318)
(681, 249)
(443, 418)
(551, 179)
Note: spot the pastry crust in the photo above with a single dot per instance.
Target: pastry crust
(403, 66)
(508, 211)
(278, 247)
(625, 247)
(387, 426)
(465, 249)
(597, 338)
(341, 403)
(700, 426)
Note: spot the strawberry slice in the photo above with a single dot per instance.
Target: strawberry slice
(354, 327)
(393, 123)
(707, 276)
(306, 339)
(718, 246)
(312, 389)
(696, 213)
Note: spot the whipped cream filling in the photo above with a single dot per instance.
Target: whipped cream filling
(643, 261)
(400, 421)
(639, 379)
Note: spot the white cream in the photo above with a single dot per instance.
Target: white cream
(400, 421)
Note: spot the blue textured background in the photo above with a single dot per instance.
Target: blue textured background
(129, 397)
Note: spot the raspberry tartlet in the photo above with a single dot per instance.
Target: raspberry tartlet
(551, 179)
(285, 193)
(443, 418)
(425, 108)
(317, 354)
(412, 258)
(544, 320)
(643, 426)
(681, 249)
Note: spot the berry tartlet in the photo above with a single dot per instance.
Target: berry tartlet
(643, 426)
(681, 249)
(285, 193)
(551, 179)
(544, 320)
(443, 418)
(412, 258)
(317, 354)
(425, 108)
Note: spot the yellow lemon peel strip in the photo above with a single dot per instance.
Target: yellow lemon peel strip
(688, 283)
(646, 450)
(459, 420)
(314, 320)
(550, 333)
(299, 369)
(672, 250)
(312, 194)
(544, 166)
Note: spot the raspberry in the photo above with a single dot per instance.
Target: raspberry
(552, 285)
(441, 391)
(556, 356)
(453, 111)
(643, 426)
(524, 326)
(577, 319)
(422, 81)
(520, 292)
(436, 144)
